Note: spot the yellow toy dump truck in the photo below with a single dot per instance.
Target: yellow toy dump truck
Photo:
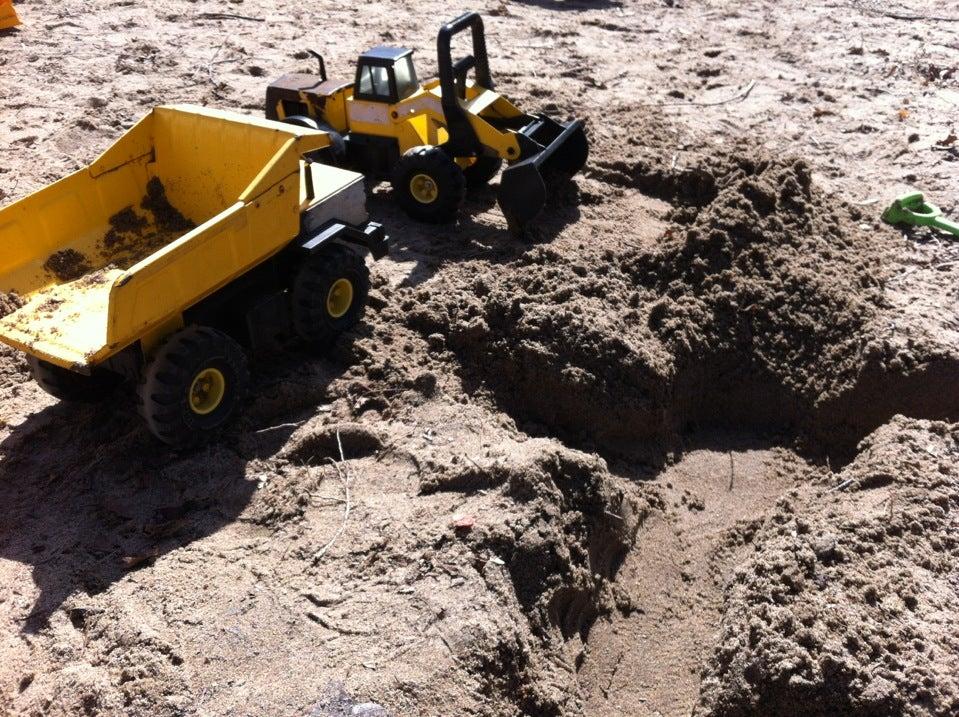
(198, 233)
(434, 140)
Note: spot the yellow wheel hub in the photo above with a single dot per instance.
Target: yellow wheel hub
(423, 188)
(340, 298)
(207, 391)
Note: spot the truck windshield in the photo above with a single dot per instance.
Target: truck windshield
(405, 77)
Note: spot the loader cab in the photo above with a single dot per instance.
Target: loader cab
(385, 74)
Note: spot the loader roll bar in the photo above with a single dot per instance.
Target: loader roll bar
(463, 140)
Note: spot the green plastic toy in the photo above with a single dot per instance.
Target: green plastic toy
(913, 210)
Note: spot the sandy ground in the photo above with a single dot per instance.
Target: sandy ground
(687, 452)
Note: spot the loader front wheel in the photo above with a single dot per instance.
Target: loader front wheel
(70, 386)
(429, 185)
(193, 386)
(480, 172)
(329, 295)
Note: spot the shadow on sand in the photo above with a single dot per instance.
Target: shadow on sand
(89, 495)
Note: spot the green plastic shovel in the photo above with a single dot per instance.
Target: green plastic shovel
(913, 210)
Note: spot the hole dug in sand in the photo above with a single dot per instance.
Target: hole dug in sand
(763, 307)
(761, 311)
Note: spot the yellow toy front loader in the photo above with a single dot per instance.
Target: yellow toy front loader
(434, 140)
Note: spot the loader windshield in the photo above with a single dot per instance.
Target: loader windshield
(375, 82)
(406, 83)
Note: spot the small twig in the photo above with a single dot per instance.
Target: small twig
(228, 16)
(316, 500)
(320, 620)
(743, 94)
(318, 555)
(448, 646)
(903, 16)
(735, 98)
(732, 472)
(842, 486)
(612, 675)
(279, 426)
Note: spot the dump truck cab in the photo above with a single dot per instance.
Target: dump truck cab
(432, 140)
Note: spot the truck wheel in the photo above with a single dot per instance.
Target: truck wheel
(429, 185)
(329, 294)
(480, 172)
(71, 386)
(335, 154)
(192, 386)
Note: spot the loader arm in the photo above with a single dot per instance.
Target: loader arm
(481, 122)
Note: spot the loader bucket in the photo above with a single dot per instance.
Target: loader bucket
(550, 150)
(8, 16)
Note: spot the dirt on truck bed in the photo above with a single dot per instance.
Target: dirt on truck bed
(689, 450)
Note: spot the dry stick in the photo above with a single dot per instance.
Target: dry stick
(612, 675)
(732, 471)
(903, 16)
(691, 103)
(842, 486)
(318, 555)
(228, 16)
(934, 267)
(279, 426)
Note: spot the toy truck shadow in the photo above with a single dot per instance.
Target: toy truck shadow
(84, 508)
(90, 497)
(197, 235)
(474, 237)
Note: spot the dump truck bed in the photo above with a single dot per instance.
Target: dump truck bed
(183, 203)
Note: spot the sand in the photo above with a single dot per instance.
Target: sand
(688, 450)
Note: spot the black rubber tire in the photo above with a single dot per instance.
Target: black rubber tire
(302, 121)
(71, 386)
(482, 171)
(446, 175)
(312, 284)
(335, 154)
(165, 387)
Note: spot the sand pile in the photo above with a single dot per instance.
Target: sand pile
(133, 237)
(754, 308)
(848, 603)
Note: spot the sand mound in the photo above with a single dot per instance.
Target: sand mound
(848, 605)
(563, 530)
(754, 308)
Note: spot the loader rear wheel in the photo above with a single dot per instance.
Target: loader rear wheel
(71, 386)
(335, 154)
(429, 185)
(329, 295)
(480, 172)
(193, 386)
